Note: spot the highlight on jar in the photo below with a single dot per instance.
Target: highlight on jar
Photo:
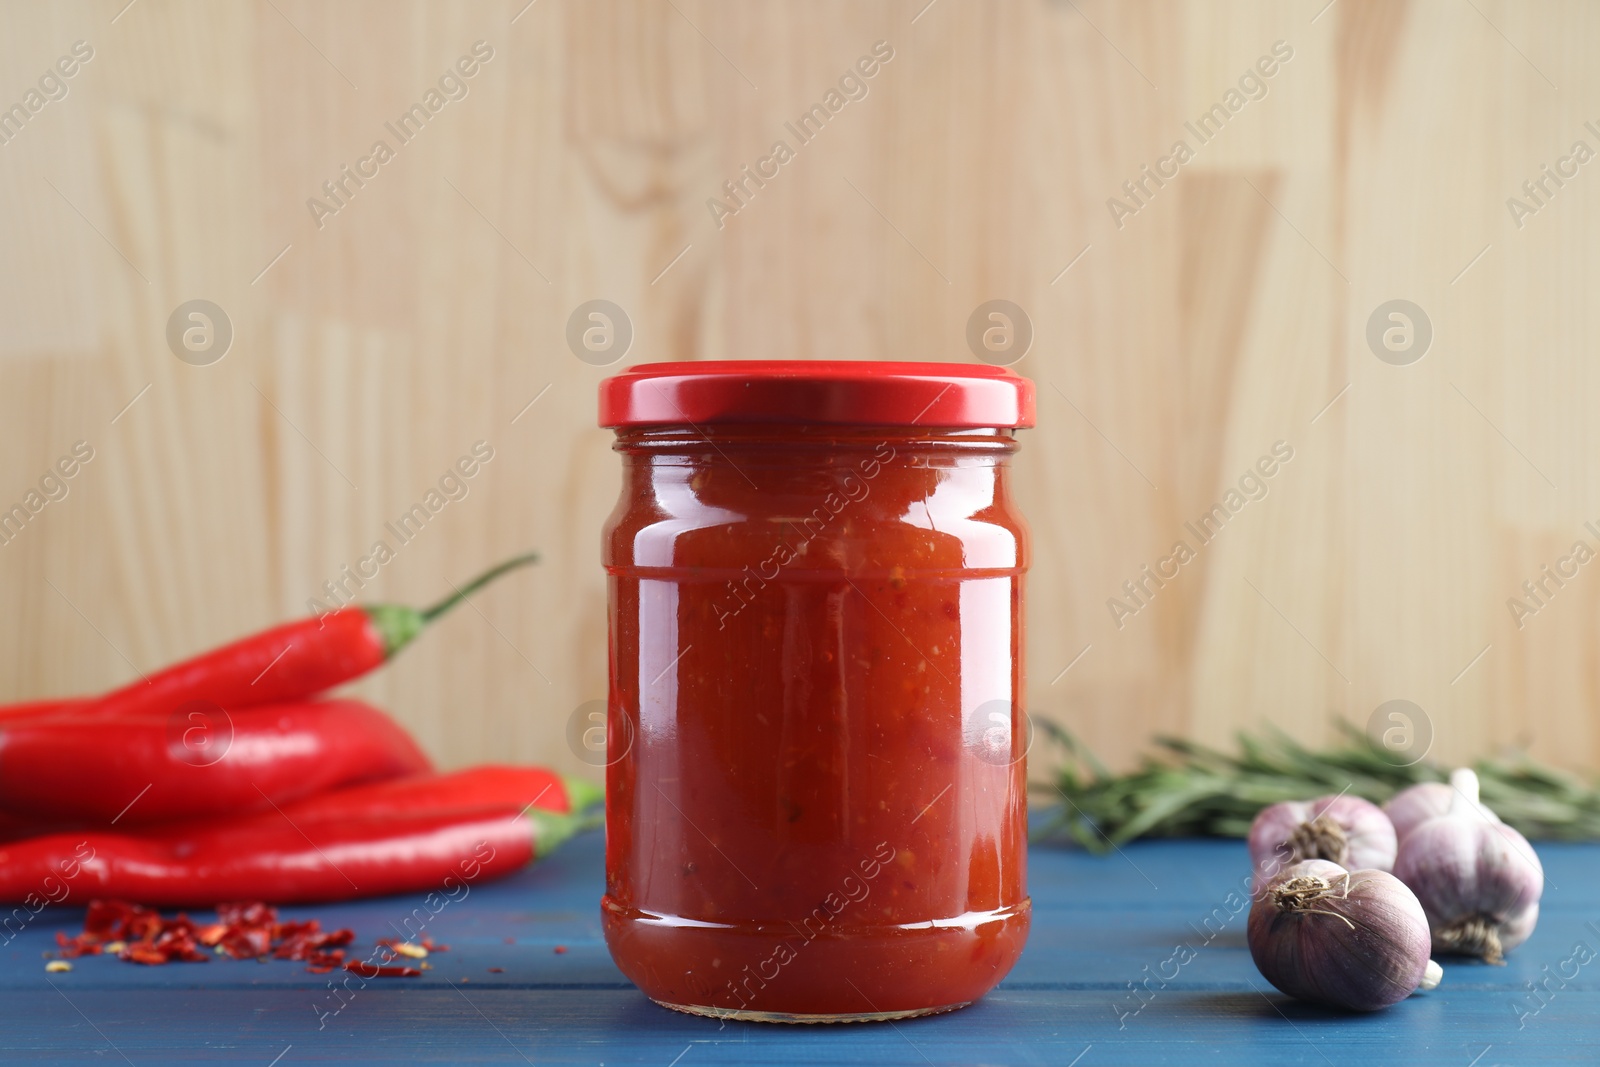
(816, 585)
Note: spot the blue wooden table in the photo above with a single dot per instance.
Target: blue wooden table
(1103, 981)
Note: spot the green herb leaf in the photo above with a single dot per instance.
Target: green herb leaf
(1188, 789)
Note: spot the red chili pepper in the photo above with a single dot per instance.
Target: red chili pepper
(144, 769)
(32, 708)
(286, 860)
(487, 786)
(291, 662)
(13, 827)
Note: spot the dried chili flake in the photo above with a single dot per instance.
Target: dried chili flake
(295, 932)
(433, 946)
(73, 947)
(251, 913)
(105, 918)
(246, 942)
(140, 952)
(248, 930)
(309, 939)
(142, 925)
(369, 970)
(323, 962)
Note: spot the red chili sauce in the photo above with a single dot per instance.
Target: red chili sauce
(816, 787)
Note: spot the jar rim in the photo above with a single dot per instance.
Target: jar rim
(836, 392)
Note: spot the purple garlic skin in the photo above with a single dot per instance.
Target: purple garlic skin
(1346, 939)
(1415, 805)
(1479, 881)
(1346, 830)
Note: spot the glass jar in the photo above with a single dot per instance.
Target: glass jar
(816, 786)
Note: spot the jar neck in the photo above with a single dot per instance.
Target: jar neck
(806, 442)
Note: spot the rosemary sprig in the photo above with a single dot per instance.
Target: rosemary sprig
(1191, 790)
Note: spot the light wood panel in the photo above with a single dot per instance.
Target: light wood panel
(1225, 315)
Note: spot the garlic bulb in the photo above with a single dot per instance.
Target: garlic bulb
(1415, 805)
(1479, 880)
(1348, 939)
(1346, 830)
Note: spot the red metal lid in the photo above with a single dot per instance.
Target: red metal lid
(870, 393)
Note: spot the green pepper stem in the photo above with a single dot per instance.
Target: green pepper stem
(550, 828)
(582, 794)
(398, 625)
(462, 592)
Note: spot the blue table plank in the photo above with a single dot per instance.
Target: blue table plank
(1099, 981)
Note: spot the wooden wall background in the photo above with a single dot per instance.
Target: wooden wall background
(1227, 314)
